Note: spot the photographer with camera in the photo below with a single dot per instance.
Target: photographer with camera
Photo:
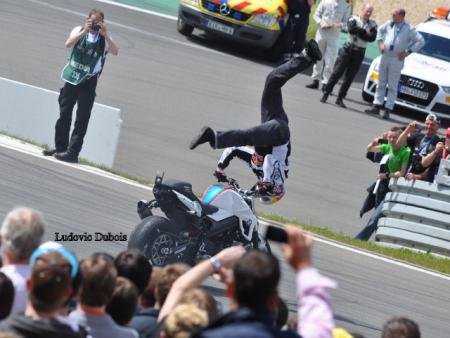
(90, 44)
(361, 31)
(396, 165)
(421, 144)
(441, 152)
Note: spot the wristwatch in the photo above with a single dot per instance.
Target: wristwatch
(216, 263)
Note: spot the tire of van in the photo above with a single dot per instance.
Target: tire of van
(275, 53)
(367, 97)
(183, 28)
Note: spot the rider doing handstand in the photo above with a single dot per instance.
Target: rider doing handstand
(270, 139)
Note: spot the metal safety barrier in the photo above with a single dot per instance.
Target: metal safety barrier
(417, 214)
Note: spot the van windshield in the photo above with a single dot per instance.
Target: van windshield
(436, 46)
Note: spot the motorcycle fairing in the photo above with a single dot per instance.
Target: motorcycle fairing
(211, 193)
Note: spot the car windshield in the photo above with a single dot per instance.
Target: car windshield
(436, 46)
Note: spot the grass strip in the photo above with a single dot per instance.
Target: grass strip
(424, 260)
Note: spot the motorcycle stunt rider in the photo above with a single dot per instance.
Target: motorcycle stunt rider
(270, 139)
(269, 164)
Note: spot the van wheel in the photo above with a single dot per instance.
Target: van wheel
(367, 97)
(183, 28)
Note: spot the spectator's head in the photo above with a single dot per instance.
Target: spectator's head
(21, 234)
(398, 327)
(432, 123)
(183, 321)
(6, 295)
(292, 324)
(123, 302)
(398, 16)
(50, 284)
(98, 279)
(256, 277)
(393, 135)
(133, 265)
(148, 296)
(169, 274)
(366, 11)
(201, 299)
(69, 256)
(281, 314)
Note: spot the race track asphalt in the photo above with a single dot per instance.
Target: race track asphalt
(370, 290)
(168, 87)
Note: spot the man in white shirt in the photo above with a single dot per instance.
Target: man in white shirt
(331, 16)
(20, 235)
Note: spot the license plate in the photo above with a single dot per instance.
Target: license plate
(414, 92)
(219, 27)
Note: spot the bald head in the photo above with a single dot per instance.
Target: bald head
(366, 11)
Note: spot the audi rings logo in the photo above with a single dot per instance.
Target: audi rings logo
(225, 9)
(416, 84)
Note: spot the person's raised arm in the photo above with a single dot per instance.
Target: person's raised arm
(113, 49)
(316, 318)
(373, 146)
(76, 36)
(195, 276)
(428, 159)
(403, 138)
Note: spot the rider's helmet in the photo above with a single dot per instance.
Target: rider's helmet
(272, 195)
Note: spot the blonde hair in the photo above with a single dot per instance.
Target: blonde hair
(183, 320)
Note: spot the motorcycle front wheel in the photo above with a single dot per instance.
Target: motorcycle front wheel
(155, 237)
(262, 244)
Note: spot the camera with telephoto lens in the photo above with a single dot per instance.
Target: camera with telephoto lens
(95, 26)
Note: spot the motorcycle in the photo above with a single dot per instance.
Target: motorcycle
(194, 228)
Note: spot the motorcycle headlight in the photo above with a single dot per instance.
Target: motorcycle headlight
(446, 89)
(265, 20)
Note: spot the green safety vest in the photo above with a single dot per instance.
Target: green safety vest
(83, 59)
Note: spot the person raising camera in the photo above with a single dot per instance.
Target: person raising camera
(90, 44)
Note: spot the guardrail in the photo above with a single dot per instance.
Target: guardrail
(30, 112)
(417, 214)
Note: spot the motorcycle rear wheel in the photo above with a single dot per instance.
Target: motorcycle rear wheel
(155, 236)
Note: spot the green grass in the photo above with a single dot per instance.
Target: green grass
(424, 260)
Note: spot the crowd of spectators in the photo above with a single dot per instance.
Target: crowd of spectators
(409, 153)
(46, 292)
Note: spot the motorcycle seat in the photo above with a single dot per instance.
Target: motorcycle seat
(185, 189)
(181, 187)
